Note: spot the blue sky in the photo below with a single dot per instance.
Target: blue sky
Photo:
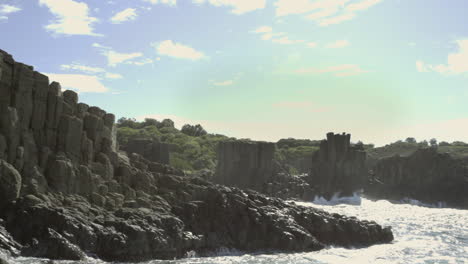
(382, 70)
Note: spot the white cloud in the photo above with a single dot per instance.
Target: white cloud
(263, 29)
(365, 4)
(110, 75)
(421, 67)
(338, 44)
(9, 9)
(141, 62)
(238, 6)
(224, 83)
(83, 68)
(125, 15)
(279, 37)
(99, 72)
(177, 50)
(114, 58)
(79, 82)
(5, 10)
(324, 12)
(167, 2)
(71, 17)
(339, 70)
(457, 63)
(286, 41)
(336, 19)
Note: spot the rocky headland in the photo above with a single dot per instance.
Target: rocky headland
(68, 192)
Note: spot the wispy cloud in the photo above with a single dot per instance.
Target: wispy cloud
(263, 29)
(71, 17)
(223, 83)
(177, 50)
(276, 37)
(238, 6)
(167, 2)
(324, 12)
(79, 82)
(114, 58)
(6, 10)
(124, 15)
(457, 63)
(339, 70)
(99, 72)
(363, 5)
(338, 44)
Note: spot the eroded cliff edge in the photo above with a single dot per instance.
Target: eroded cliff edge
(67, 192)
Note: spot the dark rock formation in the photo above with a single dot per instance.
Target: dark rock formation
(425, 175)
(67, 192)
(338, 167)
(149, 149)
(244, 164)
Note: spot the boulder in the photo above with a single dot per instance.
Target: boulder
(10, 183)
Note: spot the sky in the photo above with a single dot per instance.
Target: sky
(382, 70)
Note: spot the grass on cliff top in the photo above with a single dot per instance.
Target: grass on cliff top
(456, 149)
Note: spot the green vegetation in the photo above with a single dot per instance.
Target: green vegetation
(190, 151)
(296, 154)
(410, 145)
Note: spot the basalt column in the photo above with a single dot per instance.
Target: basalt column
(338, 167)
(244, 164)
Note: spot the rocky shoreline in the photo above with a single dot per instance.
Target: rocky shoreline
(67, 191)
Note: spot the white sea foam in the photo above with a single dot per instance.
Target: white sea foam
(337, 199)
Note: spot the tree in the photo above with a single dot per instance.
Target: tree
(151, 122)
(127, 122)
(194, 131)
(433, 142)
(411, 140)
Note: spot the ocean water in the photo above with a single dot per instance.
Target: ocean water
(422, 235)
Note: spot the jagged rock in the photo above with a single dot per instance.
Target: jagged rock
(10, 182)
(244, 164)
(34, 181)
(60, 175)
(53, 245)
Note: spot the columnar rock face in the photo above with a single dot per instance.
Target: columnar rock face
(46, 134)
(65, 189)
(244, 164)
(338, 167)
(151, 150)
(425, 175)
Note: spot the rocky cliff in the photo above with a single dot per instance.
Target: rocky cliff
(67, 192)
(338, 167)
(149, 149)
(425, 175)
(244, 164)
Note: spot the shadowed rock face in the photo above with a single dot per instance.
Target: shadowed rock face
(244, 164)
(66, 191)
(149, 149)
(425, 175)
(338, 167)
